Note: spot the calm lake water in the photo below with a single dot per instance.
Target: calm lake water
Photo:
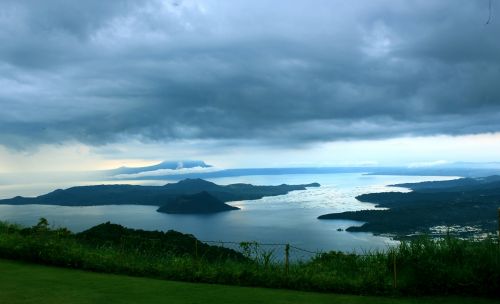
(287, 218)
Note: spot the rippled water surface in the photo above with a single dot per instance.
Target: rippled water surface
(287, 218)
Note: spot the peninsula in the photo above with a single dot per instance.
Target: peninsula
(468, 205)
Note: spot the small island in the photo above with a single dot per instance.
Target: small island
(185, 196)
(465, 205)
(202, 202)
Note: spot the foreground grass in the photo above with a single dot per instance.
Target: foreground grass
(28, 283)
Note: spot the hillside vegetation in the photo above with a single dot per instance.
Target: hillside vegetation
(416, 267)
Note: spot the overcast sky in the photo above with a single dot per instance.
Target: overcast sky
(247, 83)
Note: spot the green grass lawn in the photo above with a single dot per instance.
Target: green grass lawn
(29, 283)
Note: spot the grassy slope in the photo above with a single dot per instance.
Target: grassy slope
(28, 283)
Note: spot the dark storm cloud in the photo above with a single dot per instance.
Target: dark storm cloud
(280, 72)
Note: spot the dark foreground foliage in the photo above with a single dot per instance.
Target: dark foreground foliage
(416, 267)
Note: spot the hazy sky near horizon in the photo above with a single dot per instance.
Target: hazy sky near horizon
(94, 84)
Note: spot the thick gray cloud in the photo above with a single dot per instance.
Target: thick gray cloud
(275, 72)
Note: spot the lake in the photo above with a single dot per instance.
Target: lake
(287, 218)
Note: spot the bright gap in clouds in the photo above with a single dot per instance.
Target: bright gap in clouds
(406, 151)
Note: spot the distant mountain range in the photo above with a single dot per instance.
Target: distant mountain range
(170, 165)
(182, 169)
(159, 195)
(469, 203)
(455, 185)
(464, 169)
